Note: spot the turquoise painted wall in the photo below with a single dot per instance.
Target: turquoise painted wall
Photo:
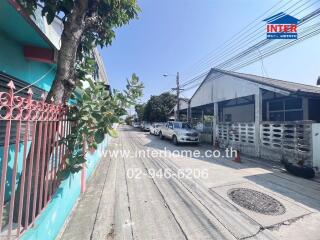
(12, 62)
(10, 166)
(51, 220)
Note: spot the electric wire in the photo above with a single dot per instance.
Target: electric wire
(257, 46)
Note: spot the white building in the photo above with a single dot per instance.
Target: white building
(260, 116)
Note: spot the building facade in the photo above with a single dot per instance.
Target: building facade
(260, 116)
(34, 204)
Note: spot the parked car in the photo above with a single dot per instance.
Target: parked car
(155, 128)
(179, 132)
(145, 126)
(136, 124)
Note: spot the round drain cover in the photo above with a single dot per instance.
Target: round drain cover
(256, 201)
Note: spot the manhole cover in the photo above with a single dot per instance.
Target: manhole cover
(256, 201)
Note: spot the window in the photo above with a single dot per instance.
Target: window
(177, 125)
(276, 105)
(293, 103)
(4, 80)
(288, 109)
(186, 126)
(276, 116)
(294, 115)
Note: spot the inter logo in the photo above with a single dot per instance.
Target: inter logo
(282, 26)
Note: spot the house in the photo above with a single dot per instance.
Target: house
(183, 104)
(260, 116)
(28, 61)
(26, 54)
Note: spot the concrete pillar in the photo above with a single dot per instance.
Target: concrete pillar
(305, 107)
(189, 113)
(202, 119)
(258, 120)
(215, 121)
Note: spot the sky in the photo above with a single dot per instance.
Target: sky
(173, 35)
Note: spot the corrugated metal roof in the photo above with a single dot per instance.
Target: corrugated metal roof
(276, 83)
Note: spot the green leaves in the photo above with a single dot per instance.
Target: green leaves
(93, 109)
(94, 112)
(112, 132)
(99, 136)
(157, 108)
(63, 174)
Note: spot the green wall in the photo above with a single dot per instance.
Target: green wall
(11, 154)
(12, 62)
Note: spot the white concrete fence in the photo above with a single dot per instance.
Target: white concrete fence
(239, 136)
(293, 141)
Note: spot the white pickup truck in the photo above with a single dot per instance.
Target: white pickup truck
(179, 132)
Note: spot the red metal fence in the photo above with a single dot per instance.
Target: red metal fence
(30, 157)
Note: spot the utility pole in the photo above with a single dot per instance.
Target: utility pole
(178, 94)
(178, 97)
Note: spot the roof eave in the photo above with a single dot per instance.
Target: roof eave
(20, 10)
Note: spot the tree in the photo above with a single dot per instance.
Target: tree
(158, 107)
(139, 108)
(87, 24)
(128, 120)
(95, 111)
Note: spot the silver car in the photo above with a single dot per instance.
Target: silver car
(179, 132)
(135, 124)
(155, 128)
(145, 126)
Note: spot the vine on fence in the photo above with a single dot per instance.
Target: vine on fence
(94, 110)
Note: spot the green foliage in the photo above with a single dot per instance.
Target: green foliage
(95, 109)
(128, 120)
(101, 17)
(158, 107)
(94, 113)
(139, 108)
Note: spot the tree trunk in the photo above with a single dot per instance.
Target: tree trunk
(62, 85)
(74, 27)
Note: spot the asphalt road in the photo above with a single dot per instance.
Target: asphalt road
(147, 197)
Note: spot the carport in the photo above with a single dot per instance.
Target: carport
(259, 116)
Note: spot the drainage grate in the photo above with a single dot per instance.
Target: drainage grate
(256, 201)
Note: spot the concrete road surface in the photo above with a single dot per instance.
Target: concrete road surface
(147, 188)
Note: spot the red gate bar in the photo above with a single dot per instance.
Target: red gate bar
(35, 128)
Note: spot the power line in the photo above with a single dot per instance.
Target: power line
(237, 34)
(246, 57)
(249, 39)
(259, 45)
(305, 34)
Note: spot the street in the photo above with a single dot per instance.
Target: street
(146, 197)
(152, 120)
